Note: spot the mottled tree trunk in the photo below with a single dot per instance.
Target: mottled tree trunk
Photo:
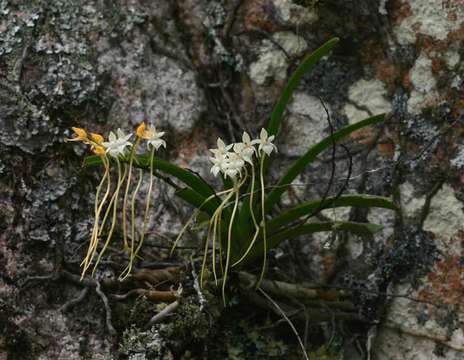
(199, 69)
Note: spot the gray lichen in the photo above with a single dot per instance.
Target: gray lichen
(48, 55)
(186, 328)
(144, 345)
(245, 342)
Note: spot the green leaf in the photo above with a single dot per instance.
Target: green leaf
(226, 182)
(186, 176)
(287, 234)
(329, 203)
(244, 224)
(299, 165)
(307, 64)
(352, 227)
(92, 161)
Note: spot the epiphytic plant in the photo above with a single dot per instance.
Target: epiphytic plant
(115, 150)
(243, 223)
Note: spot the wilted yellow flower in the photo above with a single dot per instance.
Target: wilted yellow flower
(97, 138)
(140, 132)
(81, 134)
(150, 134)
(98, 150)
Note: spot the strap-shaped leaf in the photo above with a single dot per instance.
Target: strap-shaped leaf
(187, 177)
(329, 203)
(299, 165)
(287, 234)
(91, 161)
(243, 224)
(307, 64)
(352, 227)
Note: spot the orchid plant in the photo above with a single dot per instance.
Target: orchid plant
(118, 149)
(235, 162)
(243, 223)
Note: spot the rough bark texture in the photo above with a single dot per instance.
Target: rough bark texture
(203, 68)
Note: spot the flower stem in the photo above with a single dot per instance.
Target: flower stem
(193, 217)
(255, 236)
(229, 240)
(217, 213)
(263, 221)
(113, 198)
(126, 195)
(128, 268)
(216, 219)
(253, 175)
(98, 207)
(221, 264)
(257, 229)
(134, 198)
(147, 204)
(114, 203)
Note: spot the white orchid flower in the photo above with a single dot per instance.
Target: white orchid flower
(265, 142)
(233, 165)
(222, 148)
(219, 164)
(231, 172)
(245, 149)
(152, 136)
(235, 161)
(230, 164)
(116, 145)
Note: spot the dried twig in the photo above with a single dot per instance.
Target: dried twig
(164, 313)
(152, 295)
(168, 309)
(155, 276)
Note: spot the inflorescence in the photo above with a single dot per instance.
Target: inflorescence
(119, 149)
